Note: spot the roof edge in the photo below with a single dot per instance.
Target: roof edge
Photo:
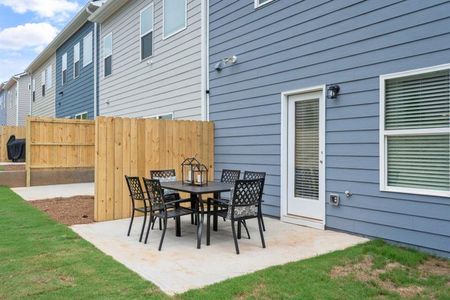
(106, 10)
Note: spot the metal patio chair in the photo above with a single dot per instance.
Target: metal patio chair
(164, 209)
(257, 175)
(244, 204)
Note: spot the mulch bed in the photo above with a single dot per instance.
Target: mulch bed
(68, 211)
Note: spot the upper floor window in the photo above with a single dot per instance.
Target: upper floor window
(64, 68)
(33, 90)
(43, 83)
(76, 60)
(48, 77)
(87, 49)
(259, 3)
(146, 32)
(175, 17)
(415, 131)
(168, 116)
(81, 116)
(107, 54)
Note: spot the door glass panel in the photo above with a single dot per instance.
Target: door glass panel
(307, 149)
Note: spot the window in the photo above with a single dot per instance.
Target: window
(259, 3)
(33, 90)
(81, 116)
(64, 68)
(175, 17)
(87, 49)
(146, 32)
(76, 60)
(43, 83)
(415, 131)
(168, 116)
(107, 54)
(48, 77)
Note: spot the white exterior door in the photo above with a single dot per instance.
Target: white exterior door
(305, 197)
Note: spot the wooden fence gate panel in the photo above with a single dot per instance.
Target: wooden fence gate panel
(126, 146)
(59, 143)
(5, 133)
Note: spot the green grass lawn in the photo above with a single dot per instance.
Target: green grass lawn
(40, 258)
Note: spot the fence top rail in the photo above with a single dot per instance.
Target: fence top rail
(62, 121)
(102, 118)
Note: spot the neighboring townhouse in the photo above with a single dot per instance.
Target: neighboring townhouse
(70, 56)
(17, 90)
(42, 71)
(76, 83)
(151, 62)
(2, 104)
(345, 104)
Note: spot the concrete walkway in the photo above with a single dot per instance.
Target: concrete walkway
(180, 266)
(55, 191)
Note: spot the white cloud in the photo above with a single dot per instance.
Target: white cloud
(27, 36)
(44, 8)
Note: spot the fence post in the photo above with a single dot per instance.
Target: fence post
(28, 151)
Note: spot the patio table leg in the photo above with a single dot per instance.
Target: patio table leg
(201, 215)
(178, 223)
(215, 208)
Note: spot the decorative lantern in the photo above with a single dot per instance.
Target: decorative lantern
(193, 172)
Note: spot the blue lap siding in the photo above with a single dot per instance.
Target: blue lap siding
(77, 94)
(289, 45)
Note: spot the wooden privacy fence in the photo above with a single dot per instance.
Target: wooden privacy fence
(59, 143)
(5, 133)
(132, 147)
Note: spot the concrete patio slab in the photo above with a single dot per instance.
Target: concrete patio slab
(33, 193)
(180, 266)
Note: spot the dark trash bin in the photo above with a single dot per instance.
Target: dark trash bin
(16, 149)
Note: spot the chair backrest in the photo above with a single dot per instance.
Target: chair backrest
(135, 188)
(247, 192)
(154, 191)
(230, 176)
(254, 175)
(157, 174)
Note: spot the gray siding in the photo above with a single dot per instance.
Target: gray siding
(288, 45)
(44, 106)
(78, 93)
(2, 107)
(11, 106)
(170, 83)
(24, 99)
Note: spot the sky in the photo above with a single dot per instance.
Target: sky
(27, 27)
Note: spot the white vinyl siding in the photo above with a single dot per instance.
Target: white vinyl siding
(416, 132)
(175, 16)
(44, 106)
(146, 32)
(107, 54)
(64, 68)
(87, 49)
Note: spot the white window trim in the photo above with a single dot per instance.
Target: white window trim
(257, 4)
(62, 68)
(75, 61)
(48, 77)
(145, 33)
(160, 115)
(385, 133)
(103, 54)
(164, 37)
(79, 114)
(90, 49)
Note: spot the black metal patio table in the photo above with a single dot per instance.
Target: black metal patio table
(196, 193)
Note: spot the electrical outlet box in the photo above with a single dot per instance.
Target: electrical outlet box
(334, 199)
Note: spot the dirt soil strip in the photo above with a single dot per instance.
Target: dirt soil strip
(69, 211)
(12, 167)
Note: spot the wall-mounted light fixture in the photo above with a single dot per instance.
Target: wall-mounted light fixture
(226, 61)
(333, 91)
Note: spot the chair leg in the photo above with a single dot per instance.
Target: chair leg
(131, 223)
(192, 215)
(246, 229)
(262, 222)
(239, 229)
(151, 221)
(235, 237)
(163, 233)
(143, 227)
(160, 223)
(261, 231)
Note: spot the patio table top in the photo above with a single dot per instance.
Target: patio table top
(211, 187)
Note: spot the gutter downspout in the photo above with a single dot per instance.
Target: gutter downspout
(205, 60)
(95, 71)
